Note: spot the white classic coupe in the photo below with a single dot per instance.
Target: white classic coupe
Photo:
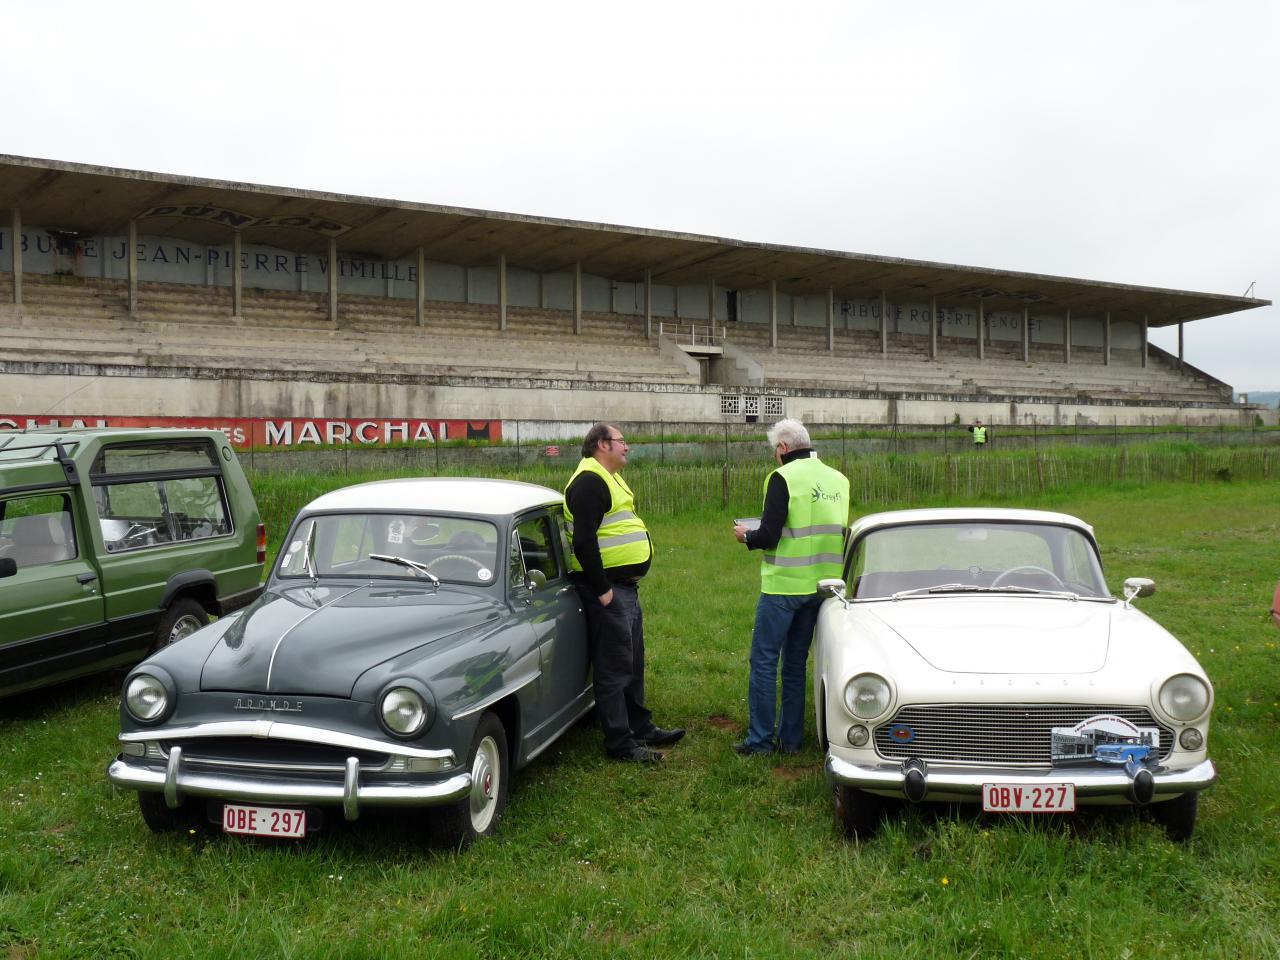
(976, 655)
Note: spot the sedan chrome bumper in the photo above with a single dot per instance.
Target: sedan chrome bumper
(178, 781)
(965, 783)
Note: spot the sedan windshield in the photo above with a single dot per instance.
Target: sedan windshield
(392, 546)
(931, 559)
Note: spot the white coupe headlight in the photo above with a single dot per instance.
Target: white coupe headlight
(867, 696)
(146, 697)
(1184, 697)
(404, 711)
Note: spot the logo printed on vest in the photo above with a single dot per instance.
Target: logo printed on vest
(817, 493)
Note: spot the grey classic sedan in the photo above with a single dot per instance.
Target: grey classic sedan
(417, 641)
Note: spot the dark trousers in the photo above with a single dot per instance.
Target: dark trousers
(617, 665)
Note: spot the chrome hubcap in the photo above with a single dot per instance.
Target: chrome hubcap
(184, 627)
(485, 772)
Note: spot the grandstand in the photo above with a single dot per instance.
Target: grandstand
(135, 293)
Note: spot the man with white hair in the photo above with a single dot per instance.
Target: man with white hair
(801, 531)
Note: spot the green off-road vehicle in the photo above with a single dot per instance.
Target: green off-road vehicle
(114, 543)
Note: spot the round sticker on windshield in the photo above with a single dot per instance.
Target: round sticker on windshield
(485, 574)
(395, 531)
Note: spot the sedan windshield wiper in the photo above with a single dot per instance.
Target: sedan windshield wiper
(940, 588)
(413, 565)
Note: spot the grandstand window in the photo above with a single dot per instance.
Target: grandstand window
(773, 407)
(730, 405)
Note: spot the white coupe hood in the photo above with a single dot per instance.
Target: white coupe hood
(1002, 634)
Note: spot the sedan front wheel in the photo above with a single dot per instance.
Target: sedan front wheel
(459, 824)
(857, 812)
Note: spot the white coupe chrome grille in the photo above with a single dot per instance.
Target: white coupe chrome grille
(1004, 734)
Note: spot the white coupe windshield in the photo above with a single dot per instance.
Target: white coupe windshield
(927, 559)
(392, 546)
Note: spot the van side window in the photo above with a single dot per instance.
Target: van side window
(150, 494)
(37, 530)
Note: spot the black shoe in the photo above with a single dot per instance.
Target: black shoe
(638, 754)
(658, 737)
(744, 749)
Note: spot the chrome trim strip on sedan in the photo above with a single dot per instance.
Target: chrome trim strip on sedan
(556, 736)
(504, 692)
(968, 781)
(276, 649)
(281, 730)
(351, 789)
(187, 782)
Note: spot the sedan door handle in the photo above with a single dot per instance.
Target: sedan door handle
(86, 577)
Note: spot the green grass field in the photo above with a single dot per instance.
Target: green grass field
(708, 854)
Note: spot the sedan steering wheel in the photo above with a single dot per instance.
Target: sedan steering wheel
(1029, 567)
(479, 565)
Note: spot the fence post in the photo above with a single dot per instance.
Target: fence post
(437, 446)
(724, 485)
(662, 445)
(726, 454)
(1040, 469)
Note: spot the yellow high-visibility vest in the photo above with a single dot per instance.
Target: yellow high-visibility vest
(622, 536)
(812, 543)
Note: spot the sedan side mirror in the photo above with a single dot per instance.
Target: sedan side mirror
(1138, 587)
(833, 587)
(536, 579)
(8, 566)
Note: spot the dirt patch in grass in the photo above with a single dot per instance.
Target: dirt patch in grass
(721, 722)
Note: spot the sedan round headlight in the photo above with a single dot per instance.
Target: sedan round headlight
(867, 695)
(145, 697)
(404, 711)
(1184, 697)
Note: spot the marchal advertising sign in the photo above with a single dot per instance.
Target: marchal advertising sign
(245, 432)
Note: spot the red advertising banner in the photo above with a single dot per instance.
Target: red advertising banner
(247, 432)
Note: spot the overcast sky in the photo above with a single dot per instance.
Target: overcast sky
(1134, 142)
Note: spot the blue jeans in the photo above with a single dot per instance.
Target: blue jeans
(784, 627)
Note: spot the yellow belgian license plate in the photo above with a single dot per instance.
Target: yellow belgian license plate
(1024, 798)
(263, 821)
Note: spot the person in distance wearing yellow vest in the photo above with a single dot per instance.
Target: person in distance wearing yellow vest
(979, 435)
(802, 528)
(611, 552)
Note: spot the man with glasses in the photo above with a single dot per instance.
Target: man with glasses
(801, 531)
(611, 553)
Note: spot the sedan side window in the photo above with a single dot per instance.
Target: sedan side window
(537, 548)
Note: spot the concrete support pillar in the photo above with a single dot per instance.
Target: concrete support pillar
(1066, 339)
(711, 305)
(1142, 332)
(773, 313)
(1026, 334)
(1106, 340)
(15, 244)
(648, 304)
(131, 259)
(333, 281)
(420, 310)
(982, 330)
(933, 328)
(237, 277)
(577, 297)
(884, 324)
(831, 320)
(502, 291)
(1182, 358)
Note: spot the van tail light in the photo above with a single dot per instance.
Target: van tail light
(262, 543)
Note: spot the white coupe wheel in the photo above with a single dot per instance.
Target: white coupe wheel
(857, 812)
(1177, 816)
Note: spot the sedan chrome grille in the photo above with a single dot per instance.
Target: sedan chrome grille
(1004, 734)
(251, 753)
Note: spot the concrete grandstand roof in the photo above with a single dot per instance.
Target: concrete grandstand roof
(94, 200)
